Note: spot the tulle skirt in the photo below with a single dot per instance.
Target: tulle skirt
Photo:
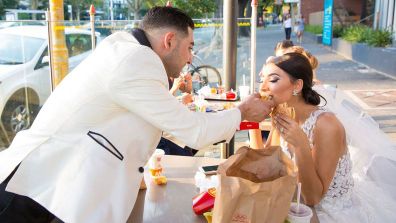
(373, 156)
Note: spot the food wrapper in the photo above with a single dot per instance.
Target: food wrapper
(255, 186)
(155, 172)
(280, 109)
(160, 180)
(265, 96)
(204, 201)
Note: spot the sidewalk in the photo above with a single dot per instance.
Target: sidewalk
(375, 92)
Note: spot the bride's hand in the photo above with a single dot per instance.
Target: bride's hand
(291, 132)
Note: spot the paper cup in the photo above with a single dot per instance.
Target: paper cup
(302, 215)
(155, 166)
(244, 91)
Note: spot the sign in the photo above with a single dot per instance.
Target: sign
(291, 1)
(327, 22)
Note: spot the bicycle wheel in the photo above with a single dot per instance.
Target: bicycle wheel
(207, 75)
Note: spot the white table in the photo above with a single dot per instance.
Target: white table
(171, 202)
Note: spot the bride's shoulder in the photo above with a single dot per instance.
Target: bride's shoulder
(328, 122)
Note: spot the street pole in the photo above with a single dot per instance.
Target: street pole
(59, 51)
(230, 43)
(111, 10)
(51, 68)
(92, 20)
(253, 28)
(230, 25)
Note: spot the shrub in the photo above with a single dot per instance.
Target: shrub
(338, 30)
(315, 29)
(356, 33)
(380, 38)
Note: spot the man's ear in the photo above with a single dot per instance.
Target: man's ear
(169, 40)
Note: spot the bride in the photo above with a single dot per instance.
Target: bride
(319, 143)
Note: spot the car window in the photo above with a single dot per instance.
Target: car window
(40, 63)
(78, 44)
(15, 49)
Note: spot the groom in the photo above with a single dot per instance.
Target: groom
(82, 160)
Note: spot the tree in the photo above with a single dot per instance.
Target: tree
(7, 4)
(79, 5)
(135, 7)
(194, 8)
(38, 4)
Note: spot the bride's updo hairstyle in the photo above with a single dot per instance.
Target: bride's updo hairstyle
(297, 67)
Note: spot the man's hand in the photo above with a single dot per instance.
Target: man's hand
(186, 86)
(187, 98)
(177, 82)
(254, 109)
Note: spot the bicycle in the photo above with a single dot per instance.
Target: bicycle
(203, 75)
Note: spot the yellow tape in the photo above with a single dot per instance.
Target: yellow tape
(197, 25)
(203, 25)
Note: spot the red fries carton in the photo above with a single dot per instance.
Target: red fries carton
(204, 201)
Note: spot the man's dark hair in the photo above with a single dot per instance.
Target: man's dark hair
(160, 17)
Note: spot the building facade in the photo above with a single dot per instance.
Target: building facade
(385, 16)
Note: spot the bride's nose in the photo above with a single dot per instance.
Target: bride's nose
(264, 86)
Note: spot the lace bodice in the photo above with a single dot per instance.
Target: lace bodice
(339, 193)
(340, 190)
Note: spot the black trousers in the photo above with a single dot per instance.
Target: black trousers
(15, 208)
(288, 33)
(171, 148)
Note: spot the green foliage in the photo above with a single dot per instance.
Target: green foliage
(357, 33)
(7, 4)
(380, 38)
(315, 29)
(194, 8)
(364, 34)
(338, 30)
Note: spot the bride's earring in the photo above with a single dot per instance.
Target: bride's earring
(295, 92)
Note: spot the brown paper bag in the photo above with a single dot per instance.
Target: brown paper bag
(254, 186)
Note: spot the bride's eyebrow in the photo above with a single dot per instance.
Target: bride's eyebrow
(273, 74)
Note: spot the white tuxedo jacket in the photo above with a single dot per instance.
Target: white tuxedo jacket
(82, 158)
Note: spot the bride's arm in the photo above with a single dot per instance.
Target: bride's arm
(329, 146)
(316, 167)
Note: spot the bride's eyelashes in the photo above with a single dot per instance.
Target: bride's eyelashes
(274, 80)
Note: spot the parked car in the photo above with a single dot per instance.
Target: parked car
(7, 24)
(25, 81)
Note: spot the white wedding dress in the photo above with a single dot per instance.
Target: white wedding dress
(364, 185)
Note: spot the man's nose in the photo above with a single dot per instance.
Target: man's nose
(189, 59)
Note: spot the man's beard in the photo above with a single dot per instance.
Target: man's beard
(171, 64)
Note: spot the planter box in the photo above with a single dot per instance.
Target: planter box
(317, 38)
(381, 59)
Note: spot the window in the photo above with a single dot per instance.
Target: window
(78, 44)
